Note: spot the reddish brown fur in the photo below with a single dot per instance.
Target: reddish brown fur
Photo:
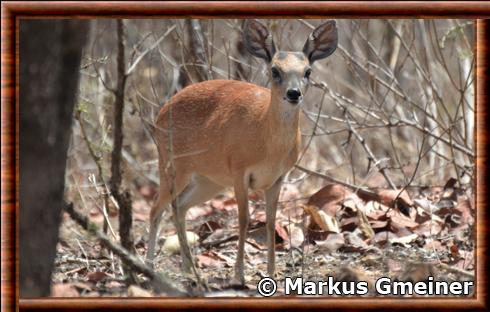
(233, 129)
(223, 133)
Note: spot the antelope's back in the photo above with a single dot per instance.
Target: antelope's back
(221, 115)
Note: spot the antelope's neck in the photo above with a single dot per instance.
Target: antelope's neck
(283, 116)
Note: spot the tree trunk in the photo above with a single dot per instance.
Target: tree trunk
(50, 53)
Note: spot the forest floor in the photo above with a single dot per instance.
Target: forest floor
(334, 232)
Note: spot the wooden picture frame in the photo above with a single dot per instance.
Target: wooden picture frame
(13, 11)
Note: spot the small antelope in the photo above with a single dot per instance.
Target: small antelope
(221, 133)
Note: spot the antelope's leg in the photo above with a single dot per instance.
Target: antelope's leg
(271, 198)
(197, 191)
(241, 194)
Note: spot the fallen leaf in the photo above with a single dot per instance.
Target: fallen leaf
(349, 224)
(282, 232)
(230, 204)
(322, 220)
(141, 210)
(378, 226)
(329, 197)
(197, 212)
(96, 277)
(396, 199)
(95, 216)
(332, 243)
(217, 204)
(445, 204)
(429, 228)
(434, 194)
(449, 191)
(349, 274)
(433, 245)
(316, 235)
(352, 202)
(400, 221)
(465, 207)
(454, 251)
(354, 243)
(289, 196)
(208, 228)
(417, 272)
(330, 222)
(82, 286)
(227, 260)
(209, 260)
(148, 191)
(406, 232)
(466, 261)
(404, 240)
(364, 225)
(382, 238)
(135, 291)
(371, 260)
(93, 294)
(260, 216)
(114, 284)
(64, 290)
(316, 220)
(296, 235)
(294, 213)
(259, 236)
(394, 265)
(374, 209)
(255, 196)
(426, 205)
(450, 183)
(219, 236)
(172, 246)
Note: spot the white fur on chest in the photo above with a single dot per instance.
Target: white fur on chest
(277, 162)
(263, 175)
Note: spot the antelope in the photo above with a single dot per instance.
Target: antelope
(225, 133)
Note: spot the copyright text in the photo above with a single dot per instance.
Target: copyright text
(384, 286)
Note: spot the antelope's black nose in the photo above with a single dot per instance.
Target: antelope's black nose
(293, 94)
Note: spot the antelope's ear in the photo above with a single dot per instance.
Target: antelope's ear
(258, 40)
(322, 42)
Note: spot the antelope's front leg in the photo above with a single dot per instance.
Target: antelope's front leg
(271, 198)
(241, 194)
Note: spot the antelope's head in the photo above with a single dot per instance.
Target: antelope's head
(290, 71)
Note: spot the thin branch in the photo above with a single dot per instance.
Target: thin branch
(142, 55)
(456, 270)
(160, 282)
(362, 191)
(123, 198)
(371, 156)
(100, 174)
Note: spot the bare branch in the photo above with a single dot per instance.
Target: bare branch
(160, 282)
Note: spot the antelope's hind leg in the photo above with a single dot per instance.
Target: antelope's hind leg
(199, 190)
(163, 201)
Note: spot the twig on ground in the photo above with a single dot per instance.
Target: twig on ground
(364, 192)
(159, 281)
(456, 270)
(219, 242)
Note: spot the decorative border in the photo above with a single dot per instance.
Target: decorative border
(12, 11)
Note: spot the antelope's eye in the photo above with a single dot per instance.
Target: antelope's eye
(276, 75)
(308, 73)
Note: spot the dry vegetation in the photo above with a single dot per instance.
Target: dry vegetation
(387, 128)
